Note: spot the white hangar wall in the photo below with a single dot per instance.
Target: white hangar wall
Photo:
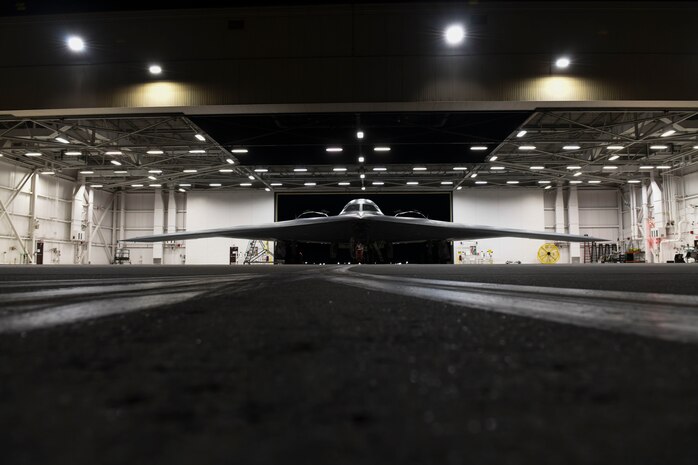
(208, 210)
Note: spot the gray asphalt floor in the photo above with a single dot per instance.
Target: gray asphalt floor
(279, 365)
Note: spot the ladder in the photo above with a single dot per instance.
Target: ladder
(257, 252)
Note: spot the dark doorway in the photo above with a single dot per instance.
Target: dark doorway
(435, 206)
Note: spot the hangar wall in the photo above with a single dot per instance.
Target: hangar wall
(208, 210)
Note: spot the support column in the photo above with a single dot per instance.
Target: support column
(633, 214)
(89, 222)
(559, 211)
(171, 223)
(77, 234)
(32, 220)
(122, 215)
(649, 249)
(573, 216)
(158, 218)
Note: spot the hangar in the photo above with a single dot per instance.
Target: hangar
(130, 119)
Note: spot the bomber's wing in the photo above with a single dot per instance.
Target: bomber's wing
(321, 229)
(402, 230)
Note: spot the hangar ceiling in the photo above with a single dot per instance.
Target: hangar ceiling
(310, 152)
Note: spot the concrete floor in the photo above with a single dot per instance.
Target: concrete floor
(344, 365)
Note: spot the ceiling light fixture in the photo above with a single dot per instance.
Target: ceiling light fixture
(261, 170)
(136, 185)
(613, 158)
(512, 182)
(668, 133)
(543, 182)
(121, 172)
(75, 43)
(189, 171)
(610, 167)
(230, 161)
(343, 183)
(215, 184)
(240, 150)
(154, 152)
(460, 168)
(72, 153)
(480, 182)
(362, 176)
(48, 172)
(538, 167)
(663, 167)
(276, 184)
(377, 183)
(154, 185)
(245, 184)
(181, 190)
(334, 149)
(380, 168)
(562, 62)
(197, 151)
(658, 147)
(574, 167)
(62, 140)
(419, 168)
(155, 171)
(578, 173)
(478, 147)
(225, 170)
(446, 183)
(361, 159)
(454, 34)
(339, 169)
(116, 162)
(381, 149)
(576, 182)
(571, 147)
(497, 168)
(33, 154)
(614, 147)
(493, 157)
(87, 172)
(185, 184)
(594, 182)
(359, 134)
(152, 178)
(113, 152)
(527, 147)
(412, 183)
(300, 170)
(647, 167)
(200, 137)
(521, 133)
(155, 69)
(251, 178)
(309, 184)
(634, 181)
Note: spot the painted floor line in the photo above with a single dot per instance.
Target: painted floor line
(663, 316)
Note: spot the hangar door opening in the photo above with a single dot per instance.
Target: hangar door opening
(435, 206)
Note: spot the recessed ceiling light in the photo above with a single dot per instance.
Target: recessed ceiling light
(152, 178)
(460, 168)
(454, 34)
(33, 154)
(614, 147)
(339, 169)
(87, 172)
(245, 184)
(647, 167)
(343, 183)
(613, 158)
(521, 133)
(155, 69)
(73, 153)
(225, 170)
(668, 133)
(115, 162)
(300, 170)
(381, 149)
(497, 168)
(663, 167)
(62, 140)
(412, 183)
(309, 184)
(75, 43)
(276, 184)
(419, 168)
(215, 184)
(377, 183)
(251, 178)
(184, 184)
(155, 185)
(578, 173)
(446, 183)
(610, 167)
(240, 150)
(154, 171)
(189, 171)
(538, 167)
(380, 168)
(121, 172)
(359, 134)
(261, 170)
(478, 147)
(512, 182)
(200, 137)
(543, 182)
(658, 147)
(634, 181)
(333, 149)
(154, 152)
(594, 182)
(136, 185)
(562, 62)
(493, 157)
(230, 161)
(527, 147)
(113, 152)
(574, 167)
(197, 151)
(480, 182)
(571, 147)
(361, 159)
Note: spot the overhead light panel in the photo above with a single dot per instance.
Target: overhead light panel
(87, 172)
(548, 187)
(614, 147)
(155, 69)
(62, 140)
(493, 157)
(48, 172)
(75, 44)
(245, 184)
(578, 173)
(136, 185)
(668, 133)
(521, 133)
(154, 185)
(610, 167)
(377, 183)
(113, 152)
(538, 167)
(116, 162)
(300, 170)
(663, 167)
(154, 171)
(562, 62)
(230, 161)
(446, 183)
(154, 152)
(215, 184)
(200, 137)
(527, 147)
(251, 178)
(33, 154)
(481, 182)
(276, 184)
(594, 182)
(361, 159)
(225, 170)
(474, 175)
(333, 149)
(343, 183)
(543, 182)
(412, 183)
(512, 182)
(658, 147)
(647, 167)
(189, 171)
(197, 151)
(381, 149)
(309, 184)
(362, 176)
(576, 182)
(73, 153)
(261, 170)
(454, 34)
(380, 168)
(419, 168)
(571, 147)
(181, 190)
(184, 184)
(478, 147)
(497, 168)
(460, 168)
(574, 167)
(613, 158)
(239, 150)
(339, 169)
(96, 186)
(359, 134)
(121, 172)
(634, 181)
(152, 178)
(266, 189)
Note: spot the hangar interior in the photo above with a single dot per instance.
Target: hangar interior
(82, 186)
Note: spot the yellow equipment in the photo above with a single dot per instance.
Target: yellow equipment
(548, 254)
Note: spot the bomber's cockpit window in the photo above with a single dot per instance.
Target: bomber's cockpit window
(367, 207)
(352, 208)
